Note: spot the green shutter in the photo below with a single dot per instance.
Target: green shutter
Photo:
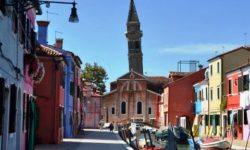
(246, 82)
(240, 82)
(211, 119)
(239, 120)
(218, 119)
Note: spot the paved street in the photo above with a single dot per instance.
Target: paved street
(91, 139)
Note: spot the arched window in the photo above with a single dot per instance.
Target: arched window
(149, 110)
(139, 108)
(123, 108)
(113, 110)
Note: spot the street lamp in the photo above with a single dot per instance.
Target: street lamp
(23, 6)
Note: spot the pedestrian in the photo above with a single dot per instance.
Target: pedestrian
(111, 126)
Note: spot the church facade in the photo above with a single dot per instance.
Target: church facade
(134, 97)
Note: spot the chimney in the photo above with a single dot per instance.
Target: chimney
(59, 43)
(200, 67)
(43, 32)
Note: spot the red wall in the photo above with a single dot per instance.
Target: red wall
(182, 96)
(233, 100)
(50, 96)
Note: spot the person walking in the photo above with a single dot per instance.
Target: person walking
(111, 126)
(101, 124)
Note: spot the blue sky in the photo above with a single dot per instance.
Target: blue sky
(173, 30)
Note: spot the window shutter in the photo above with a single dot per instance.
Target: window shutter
(12, 119)
(246, 84)
(206, 120)
(240, 82)
(239, 120)
(217, 120)
(228, 117)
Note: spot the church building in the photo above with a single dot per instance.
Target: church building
(134, 97)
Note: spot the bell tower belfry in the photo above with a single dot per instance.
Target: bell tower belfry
(134, 35)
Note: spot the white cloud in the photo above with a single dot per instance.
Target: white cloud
(199, 49)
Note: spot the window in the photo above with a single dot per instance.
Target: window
(123, 108)
(137, 44)
(139, 108)
(246, 82)
(243, 83)
(12, 118)
(78, 92)
(149, 110)
(218, 67)
(245, 117)
(72, 88)
(2, 3)
(72, 67)
(113, 110)
(218, 93)
(2, 82)
(24, 111)
(211, 70)
(239, 120)
(240, 82)
(211, 94)
(230, 86)
(202, 97)
(131, 45)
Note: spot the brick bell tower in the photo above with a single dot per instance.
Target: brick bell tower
(134, 35)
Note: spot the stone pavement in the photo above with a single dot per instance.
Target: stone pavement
(90, 139)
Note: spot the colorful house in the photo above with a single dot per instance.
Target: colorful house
(50, 93)
(218, 66)
(72, 78)
(17, 39)
(178, 98)
(237, 90)
(200, 124)
(92, 105)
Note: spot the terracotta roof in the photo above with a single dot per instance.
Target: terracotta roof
(173, 73)
(156, 83)
(45, 50)
(157, 79)
(186, 76)
(233, 50)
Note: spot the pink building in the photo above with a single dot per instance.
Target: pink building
(91, 106)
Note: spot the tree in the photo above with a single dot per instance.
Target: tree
(95, 74)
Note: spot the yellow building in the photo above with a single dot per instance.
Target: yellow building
(218, 66)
